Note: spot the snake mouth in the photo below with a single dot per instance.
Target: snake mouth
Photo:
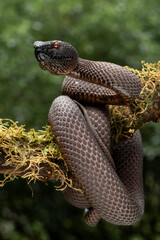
(42, 56)
(50, 63)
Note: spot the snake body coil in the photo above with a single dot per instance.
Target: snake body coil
(112, 185)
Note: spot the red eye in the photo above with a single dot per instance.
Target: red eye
(56, 44)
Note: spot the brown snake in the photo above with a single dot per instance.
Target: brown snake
(111, 181)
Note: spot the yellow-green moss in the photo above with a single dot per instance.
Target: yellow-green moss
(125, 120)
(27, 153)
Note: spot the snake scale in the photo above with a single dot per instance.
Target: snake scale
(111, 180)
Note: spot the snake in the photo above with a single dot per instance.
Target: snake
(110, 180)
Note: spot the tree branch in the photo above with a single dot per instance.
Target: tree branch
(36, 156)
(126, 120)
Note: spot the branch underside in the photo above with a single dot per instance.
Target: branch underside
(36, 156)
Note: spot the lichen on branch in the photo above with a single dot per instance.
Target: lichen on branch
(36, 156)
(126, 120)
(31, 155)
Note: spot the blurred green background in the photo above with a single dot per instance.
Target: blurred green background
(124, 32)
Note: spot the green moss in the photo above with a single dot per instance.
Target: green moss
(126, 120)
(27, 153)
(36, 156)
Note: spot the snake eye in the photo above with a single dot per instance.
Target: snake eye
(56, 44)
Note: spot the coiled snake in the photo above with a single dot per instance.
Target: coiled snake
(112, 185)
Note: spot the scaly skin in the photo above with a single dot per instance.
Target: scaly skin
(111, 182)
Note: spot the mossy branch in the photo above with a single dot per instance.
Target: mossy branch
(31, 155)
(36, 156)
(126, 120)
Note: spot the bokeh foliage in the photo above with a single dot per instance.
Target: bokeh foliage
(124, 32)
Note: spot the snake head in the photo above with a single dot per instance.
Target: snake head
(57, 57)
